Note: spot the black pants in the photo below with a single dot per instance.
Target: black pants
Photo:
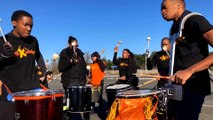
(187, 109)
(6, 107)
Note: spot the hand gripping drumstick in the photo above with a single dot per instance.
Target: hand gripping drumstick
(5, 40)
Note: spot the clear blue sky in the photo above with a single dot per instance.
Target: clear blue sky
(97, 24)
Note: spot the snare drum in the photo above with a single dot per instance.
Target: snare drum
(112, 90)
(38, 105)
(55, 111)
(80, 98)
(134, 104)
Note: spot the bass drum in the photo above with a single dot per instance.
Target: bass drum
(80, 98)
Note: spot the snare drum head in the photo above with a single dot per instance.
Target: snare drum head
(30, 93)
(80, 87)
(137, 93)
(54, 91)
(118, 86)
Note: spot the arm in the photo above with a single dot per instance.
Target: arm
(39, 58)
(64, 61)
(151, 63)
(115, 61)
(184, 75)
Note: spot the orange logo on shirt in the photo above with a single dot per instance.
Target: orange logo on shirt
(23, 52)
(163, 58)
(123, 64)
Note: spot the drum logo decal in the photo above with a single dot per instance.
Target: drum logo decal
(23, 52)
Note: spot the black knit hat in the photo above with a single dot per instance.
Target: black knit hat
(71, 39)
(95, 54)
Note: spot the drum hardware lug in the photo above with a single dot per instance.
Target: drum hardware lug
(17, 116)
(54, 98)
(26, 101)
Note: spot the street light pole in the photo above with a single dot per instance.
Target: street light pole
(147, 52)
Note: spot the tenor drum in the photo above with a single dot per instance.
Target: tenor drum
(112, 90)
(38, 105)
(134, 104)
(80, 98)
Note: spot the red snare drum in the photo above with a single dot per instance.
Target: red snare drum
(38, 105)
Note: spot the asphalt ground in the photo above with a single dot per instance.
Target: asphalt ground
(206, 113)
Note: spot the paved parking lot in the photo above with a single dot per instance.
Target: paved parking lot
(206, 113)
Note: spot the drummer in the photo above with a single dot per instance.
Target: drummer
(127, 67)
(72, 65)
(97, 73)
(161, 60)
(18, 54)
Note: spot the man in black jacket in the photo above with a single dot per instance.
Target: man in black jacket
(72, 65)
(73, 68)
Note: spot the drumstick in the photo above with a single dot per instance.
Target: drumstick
(150, 81)
(119, 43)
(164, 77)
(5, 40)
(158, 76)
(102, 51)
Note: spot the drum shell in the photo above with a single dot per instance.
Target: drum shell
(45, 106)
(80, 98)
(135, 104)
(111, 93)
(55, 111)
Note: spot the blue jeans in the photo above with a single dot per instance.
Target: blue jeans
(187, 109)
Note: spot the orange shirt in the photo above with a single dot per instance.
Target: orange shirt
(97, 74)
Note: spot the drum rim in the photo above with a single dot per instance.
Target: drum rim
(31, 93)
(126, 87)
(139, 95)
(79, 87)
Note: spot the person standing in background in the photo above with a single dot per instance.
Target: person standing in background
(161, 60)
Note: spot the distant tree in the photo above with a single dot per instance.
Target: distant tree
(109, 64)
(139, 60)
